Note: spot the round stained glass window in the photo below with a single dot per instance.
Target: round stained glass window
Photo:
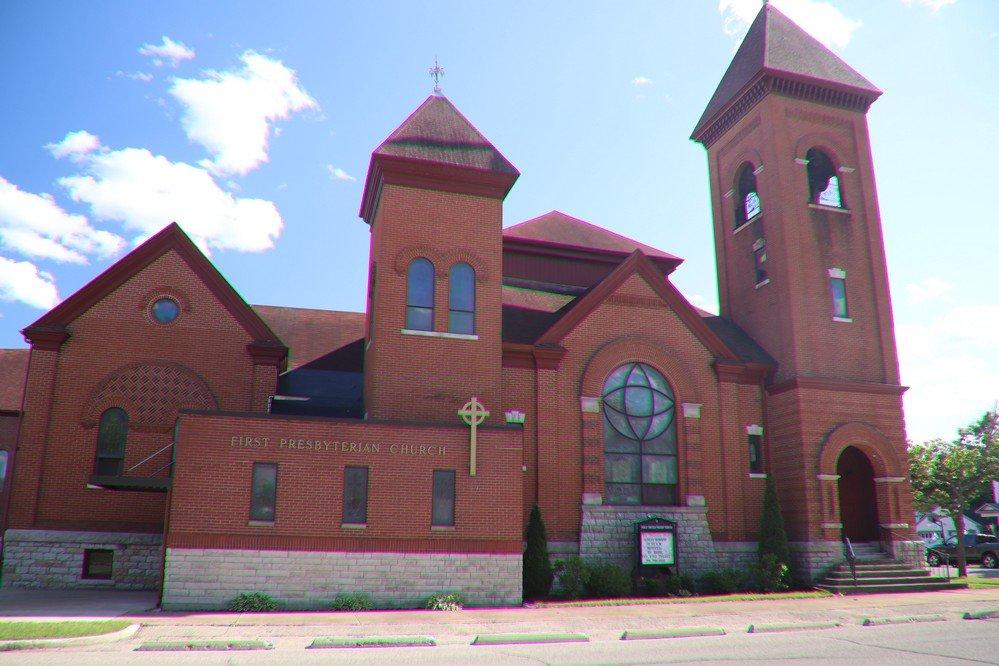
(638, 402)
(165, 310)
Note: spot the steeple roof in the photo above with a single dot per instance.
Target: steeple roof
(776, 46)
(557, 228)
(438, 132)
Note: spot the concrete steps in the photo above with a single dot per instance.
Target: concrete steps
(877, 573)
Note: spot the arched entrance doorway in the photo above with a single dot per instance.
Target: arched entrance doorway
(858, 507)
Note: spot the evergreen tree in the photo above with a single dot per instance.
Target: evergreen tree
(537, 567)
(774, 553)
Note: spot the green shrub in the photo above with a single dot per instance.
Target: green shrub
(605, 579)
(445, 601)
(253, 602)
(537, 566)
(571, 577)
(352, 601)
(774, 555)
(666, 585)
(723, 581)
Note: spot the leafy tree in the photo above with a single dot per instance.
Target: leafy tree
(774, 554)
(950, 475)
(537, 566)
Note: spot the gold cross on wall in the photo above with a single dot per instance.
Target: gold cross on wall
(473, 414)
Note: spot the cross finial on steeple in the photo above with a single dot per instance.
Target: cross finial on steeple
(436, 73)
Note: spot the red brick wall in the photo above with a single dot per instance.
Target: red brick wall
(198, 361)
(210, 504)
(8, 440)
(445, 228)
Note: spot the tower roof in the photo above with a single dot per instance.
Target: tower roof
(776, 46)
(438, 132)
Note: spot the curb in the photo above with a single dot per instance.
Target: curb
(372, 642)
(204, 646)
(982, 615)
(678, 632)
(902, 619)
(528, 639)
(795, 626)
(96, 639)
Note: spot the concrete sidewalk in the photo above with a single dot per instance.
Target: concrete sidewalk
(69, 604)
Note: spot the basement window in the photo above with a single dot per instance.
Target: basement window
(98, 563)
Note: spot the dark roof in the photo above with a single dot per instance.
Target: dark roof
(524, 326)
(438, 132)
(557, 228)
(776, 45)
(738, 340)
(13, 368)
(310, 334)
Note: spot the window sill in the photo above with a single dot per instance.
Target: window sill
(439, 334)
(832, 526)
(353, 526)
(831, 209)
(757, 475)
(442, 528)
(746, 223)
(845, 320)
(260, 523)
(763, 283)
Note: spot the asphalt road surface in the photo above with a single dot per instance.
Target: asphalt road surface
(948, 642)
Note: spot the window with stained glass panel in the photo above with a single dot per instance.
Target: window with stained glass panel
(640, 453)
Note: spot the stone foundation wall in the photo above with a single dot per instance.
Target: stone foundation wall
(608, 533)
(54, 559)
(198, 579)
(909, 552)
(741, 555)
(810, 560)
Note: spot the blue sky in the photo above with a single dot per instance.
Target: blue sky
(252, 126)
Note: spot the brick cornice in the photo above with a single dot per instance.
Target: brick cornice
(741, 373)
(518, 355)
(266, 352)
(49, 338)
(826, 384)
(409, 172)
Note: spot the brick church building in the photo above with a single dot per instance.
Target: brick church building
(173, 437)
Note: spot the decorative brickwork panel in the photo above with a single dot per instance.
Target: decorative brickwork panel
(151, 393)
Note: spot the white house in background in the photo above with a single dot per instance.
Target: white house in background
(937, 526)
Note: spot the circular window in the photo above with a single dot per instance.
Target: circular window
(638, 402)
(165, 310)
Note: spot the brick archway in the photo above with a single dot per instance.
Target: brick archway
(858, 508)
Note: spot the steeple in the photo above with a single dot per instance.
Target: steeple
(778, 55)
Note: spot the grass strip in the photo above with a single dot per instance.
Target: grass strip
(901, 619)
(789, 626)
(201, 645)
(754, 596)
(18, 631)
(676, 632)
(518, 639)
(976, 583)
(374, 641)
(982, 615)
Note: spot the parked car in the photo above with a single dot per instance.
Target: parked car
(982, 548)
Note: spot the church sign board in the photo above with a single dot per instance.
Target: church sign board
(656, 542)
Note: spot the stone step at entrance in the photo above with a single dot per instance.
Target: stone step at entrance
(881, 574)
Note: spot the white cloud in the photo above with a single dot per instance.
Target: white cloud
(951, 366)
(819, 18)
(230, 113)
(21, 281)
(705, 303)
(641, 81)
(168, 53)
(336, 173)
(35, 226)
(146, 192)
(74, 145)
(928, 289)
(145, 77)
(932, 5)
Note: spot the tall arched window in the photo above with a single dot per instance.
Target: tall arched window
(3, 469)
(112, 436)
(747, 204)
(640, 457)
(823, 183)
(461, 299)
(420, 295)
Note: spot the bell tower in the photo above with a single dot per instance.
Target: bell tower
(801, 268)
(433, 199)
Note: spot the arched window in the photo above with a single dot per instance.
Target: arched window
(111, 438)
(3, 469)
(640, 457)
(420, 295)
(747, 204)
(823, 183)
(461, 300)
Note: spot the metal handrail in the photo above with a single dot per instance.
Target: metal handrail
(851, 559)
(150, 457)
(944, 557)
